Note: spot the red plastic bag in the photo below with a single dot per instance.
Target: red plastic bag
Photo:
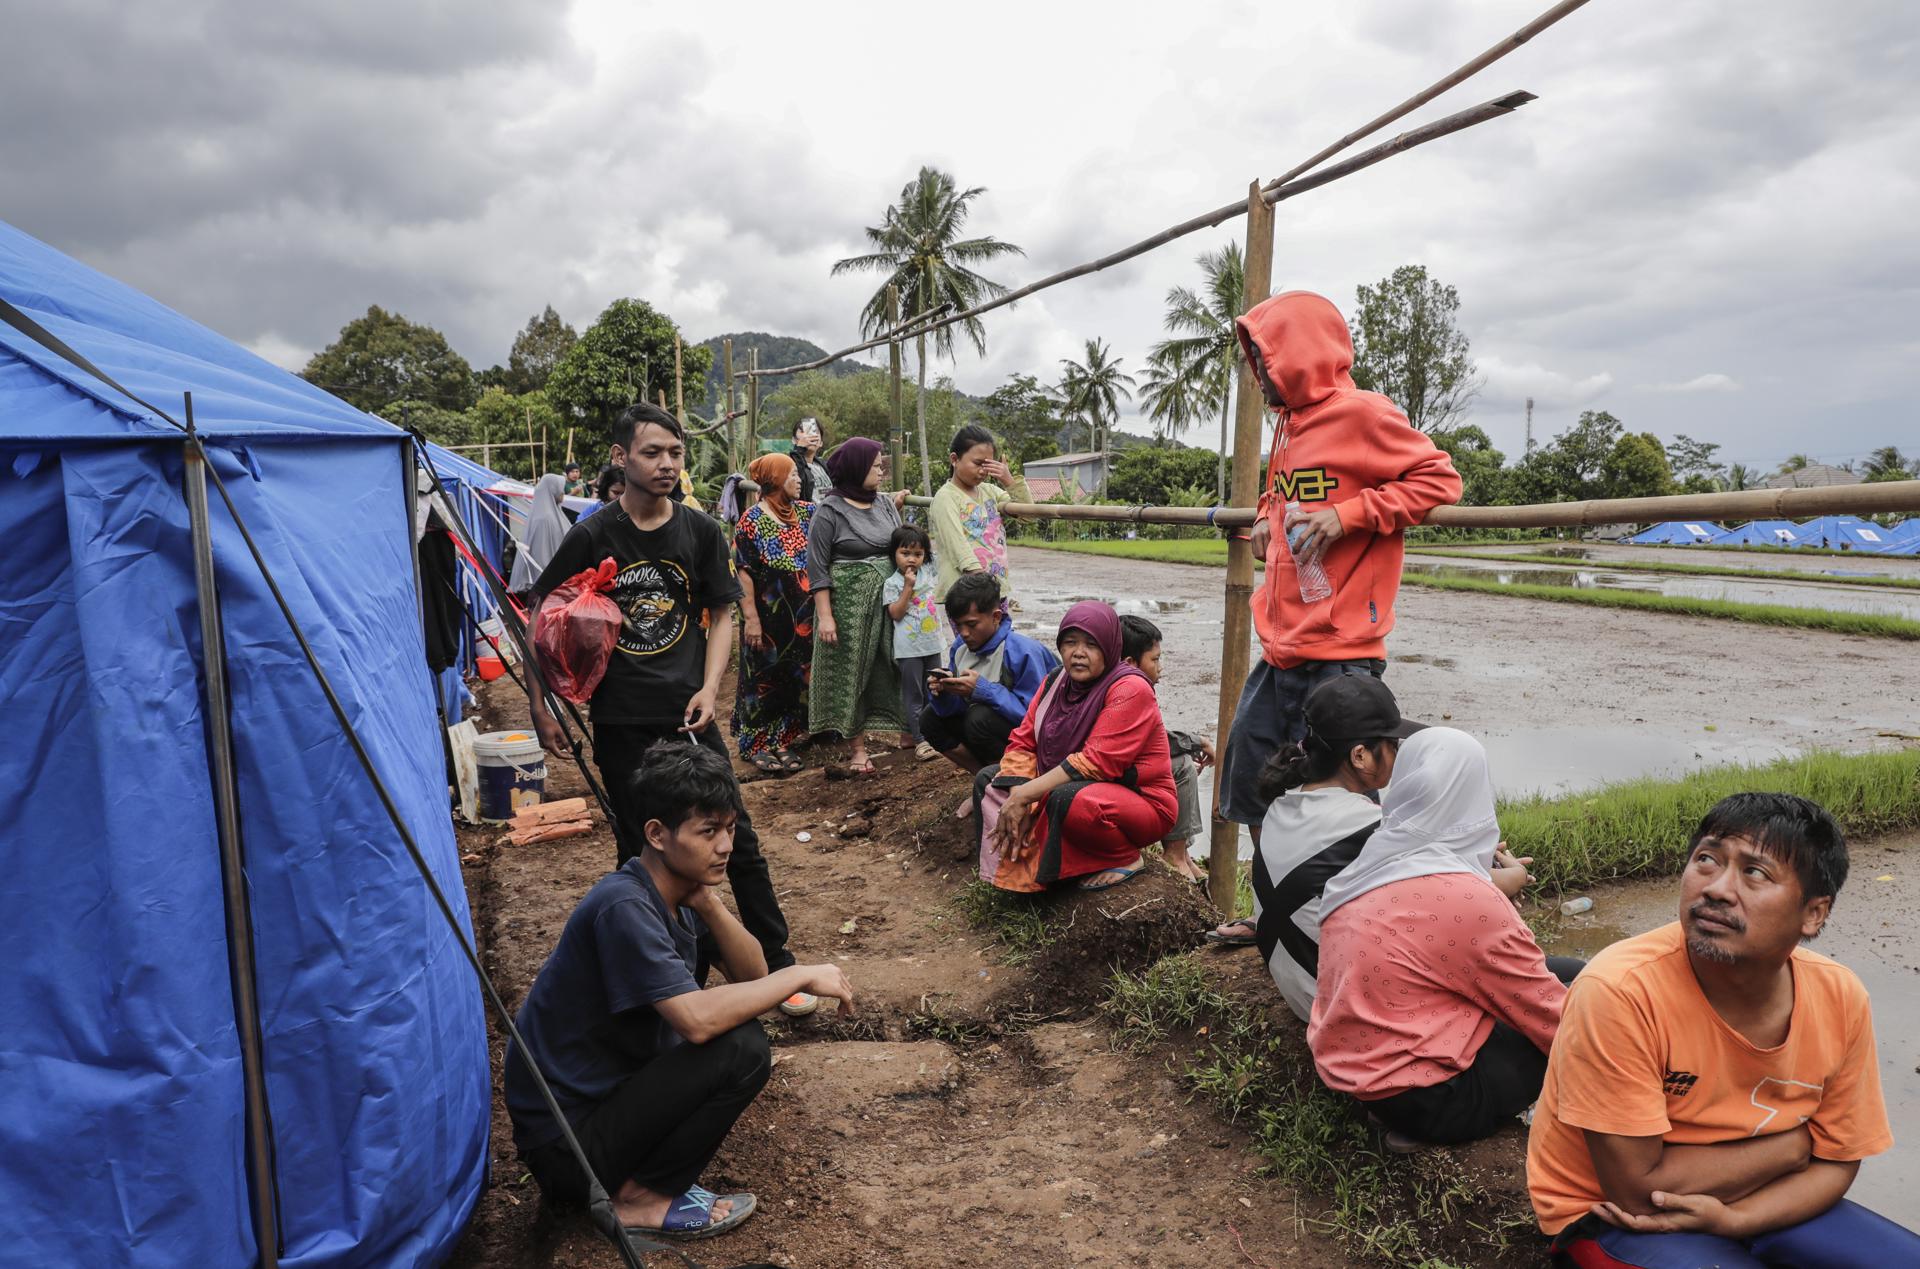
(575, 631)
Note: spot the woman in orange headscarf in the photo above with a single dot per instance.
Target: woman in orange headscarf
(776, 618)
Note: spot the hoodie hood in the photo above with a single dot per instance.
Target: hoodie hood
(1302, 341)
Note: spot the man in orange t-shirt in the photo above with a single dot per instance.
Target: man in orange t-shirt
(1714, 1085)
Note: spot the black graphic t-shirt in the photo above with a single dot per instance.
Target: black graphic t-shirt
(668, 578)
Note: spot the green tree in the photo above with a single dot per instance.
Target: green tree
(1484, 479)
(1738, 477)
(1154, 474)
(504, 419)
(1795, 462)
(625, 356)
(1190, 377)
(846, 405)
(537, 349)
(1888, 463)
(1408, 346)
(1026, 415)
(918, 247)
(1637, 468)
(1093, 389)
(1572, 467)
(1688, 458)
(382, 358)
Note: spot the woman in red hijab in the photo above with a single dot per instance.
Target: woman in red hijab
(1090, 779)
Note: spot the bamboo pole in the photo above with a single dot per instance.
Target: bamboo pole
(753, 404)
(896, 415)
(679, 392)
(726, 371)
(1249, 413)
(1879, 498)
(535, 475)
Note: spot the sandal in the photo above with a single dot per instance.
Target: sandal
(862, 768)
(790, 763)
(1126, 874)
(691, 1216)
(768, 764)
(1215, 936)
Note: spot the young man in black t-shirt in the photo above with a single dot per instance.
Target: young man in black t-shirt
(675, 585)
(650, 1069)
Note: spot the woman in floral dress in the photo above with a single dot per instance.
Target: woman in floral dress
(776, 617)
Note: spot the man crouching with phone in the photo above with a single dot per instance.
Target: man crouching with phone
(992, 672)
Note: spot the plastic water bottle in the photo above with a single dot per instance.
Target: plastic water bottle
(1314, 585)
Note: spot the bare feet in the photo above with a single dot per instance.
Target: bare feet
(1176, 857)
(965, 809)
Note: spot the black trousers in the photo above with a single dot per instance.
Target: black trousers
(617, 751)
(663, 1125)
(1504, 1079)
(982, 729)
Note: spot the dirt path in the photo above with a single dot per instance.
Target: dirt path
(973, 1113)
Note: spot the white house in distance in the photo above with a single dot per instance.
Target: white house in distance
(1076, 476)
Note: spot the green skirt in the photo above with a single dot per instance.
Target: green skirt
(855, 686)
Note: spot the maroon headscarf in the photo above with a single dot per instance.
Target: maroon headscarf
(1073, 708)
(848, 464)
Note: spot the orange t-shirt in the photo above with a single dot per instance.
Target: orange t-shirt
(1641, 1053)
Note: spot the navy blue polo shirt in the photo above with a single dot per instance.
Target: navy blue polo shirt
(589, 1021)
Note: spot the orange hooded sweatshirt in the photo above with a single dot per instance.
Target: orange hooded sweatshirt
(1353, 450)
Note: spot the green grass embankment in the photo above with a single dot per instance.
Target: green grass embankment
(1683, 570)
(1640, 828)
(1879, 625)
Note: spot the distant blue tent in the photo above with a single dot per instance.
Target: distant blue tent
(1760, 533)
(121, 1094)
(1842, 533)
(1906, 533)
(1678, 533)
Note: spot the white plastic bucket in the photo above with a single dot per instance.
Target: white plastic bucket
(513, 773)
(496, 637)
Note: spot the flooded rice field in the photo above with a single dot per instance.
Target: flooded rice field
(1812, 593)
(1863, 566)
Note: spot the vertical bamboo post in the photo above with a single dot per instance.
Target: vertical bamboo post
(896, 416)
(533, 451)
(753, 402)
(1222, 865)
(679, 391)
(726, 373)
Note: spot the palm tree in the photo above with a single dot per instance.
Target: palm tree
(1093, 389)
(917, 245)
(1190, 377)
(1738, 477)
(1887, 463)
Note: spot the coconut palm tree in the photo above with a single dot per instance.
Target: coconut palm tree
(1093, 389)
(1888, 463)
(1190, 377)
(918, 247)
(1738, 477)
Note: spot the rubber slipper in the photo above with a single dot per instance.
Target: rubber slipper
(690, 1216)
(1126, 875)
(767, 763)
(1248, 939)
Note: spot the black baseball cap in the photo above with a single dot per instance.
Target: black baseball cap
(1356, 707)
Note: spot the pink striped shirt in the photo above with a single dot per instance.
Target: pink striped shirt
(1414, 974)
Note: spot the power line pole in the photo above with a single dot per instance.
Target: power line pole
(1529, 425)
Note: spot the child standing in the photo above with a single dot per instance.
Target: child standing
(1140, 646)
(917, 640)
(968, 533)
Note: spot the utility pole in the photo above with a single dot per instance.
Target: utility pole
(1529, 425)
(726, 370)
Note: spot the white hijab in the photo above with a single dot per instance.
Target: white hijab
(1436, 817)
(546, 525)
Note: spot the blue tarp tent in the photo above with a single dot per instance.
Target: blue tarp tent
(1841, 533)
(121, 1093)
(486, 517)
(1678, 533)
(1760, 533)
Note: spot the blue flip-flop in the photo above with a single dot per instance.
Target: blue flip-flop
(691, 1216)
(1126, 874)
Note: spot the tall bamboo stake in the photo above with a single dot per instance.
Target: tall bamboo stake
(530, 445)
(1250, 411)
(753, 403)
(726, 371)
(679, 394)
(896, 417)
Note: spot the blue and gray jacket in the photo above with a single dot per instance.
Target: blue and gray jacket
(1022, 670)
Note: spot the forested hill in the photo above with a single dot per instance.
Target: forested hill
(775, 350)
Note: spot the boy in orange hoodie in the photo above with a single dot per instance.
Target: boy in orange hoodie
(1361, 474)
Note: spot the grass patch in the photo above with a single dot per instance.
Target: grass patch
(1175, 551)
(1641, 827)
(1016, 921)
(1684, 570)
(1878, 625)
(1416, 1210)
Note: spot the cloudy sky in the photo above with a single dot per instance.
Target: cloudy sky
(1706, 224)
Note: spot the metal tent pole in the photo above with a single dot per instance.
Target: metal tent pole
(263, 1189)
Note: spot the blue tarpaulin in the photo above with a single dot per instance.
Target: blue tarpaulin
(1678, 533)
(1841, 533)
(1760, 533)
(121, 1111)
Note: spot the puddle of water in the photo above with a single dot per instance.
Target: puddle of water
(1871, 933)
(1556, 760)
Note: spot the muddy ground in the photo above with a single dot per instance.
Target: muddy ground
(976, 1112)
